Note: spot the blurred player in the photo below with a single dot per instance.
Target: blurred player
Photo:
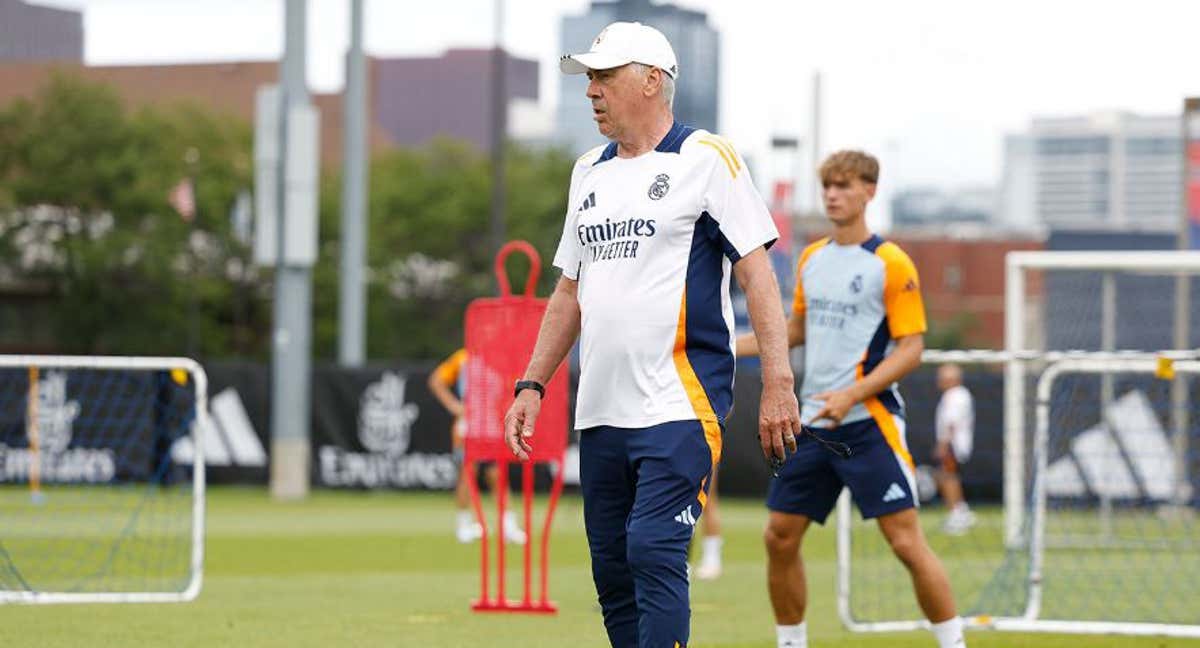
(858, 307)
(659, 219)
(445, 380)
(955, 424)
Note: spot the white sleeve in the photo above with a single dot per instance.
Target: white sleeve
(732, 201)
(569, 255)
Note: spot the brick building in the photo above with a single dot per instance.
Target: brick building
(409, 100)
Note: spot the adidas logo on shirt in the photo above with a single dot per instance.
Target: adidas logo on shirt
(685, 517)
(894, 492)
(588, 202)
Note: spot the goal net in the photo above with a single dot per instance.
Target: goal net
(1087, 521)
(101, 479)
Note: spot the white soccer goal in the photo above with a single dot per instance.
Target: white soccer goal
(95, 504)
(1097, 529)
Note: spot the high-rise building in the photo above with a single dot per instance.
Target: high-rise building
(1116, 171)
(697, 47)
(416, 99)
(35, 33)
(923, 206)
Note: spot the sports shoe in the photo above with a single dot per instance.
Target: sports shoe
(468, 532)
(708, 571)
(958, 522)
(512, 530)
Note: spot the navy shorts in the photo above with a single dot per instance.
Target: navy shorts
(644, 489)
(878, 472)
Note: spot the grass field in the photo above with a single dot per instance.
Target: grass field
(352, 569)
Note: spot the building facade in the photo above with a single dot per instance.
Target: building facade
(411, 100)
(696, 44)
(417, 99)
(36, 33)
(917, 207)
(1116, 171)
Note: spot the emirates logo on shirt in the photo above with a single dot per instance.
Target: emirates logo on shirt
(660, 187)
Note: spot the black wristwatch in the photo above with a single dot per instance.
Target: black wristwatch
(529, 384)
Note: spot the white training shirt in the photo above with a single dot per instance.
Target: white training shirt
(652, 240)
(955, 421)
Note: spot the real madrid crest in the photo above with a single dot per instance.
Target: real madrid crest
(660, 187)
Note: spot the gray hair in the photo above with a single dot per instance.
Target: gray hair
(668, 83)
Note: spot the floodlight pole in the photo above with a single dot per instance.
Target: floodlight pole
(352, 295)
(499, 128)
(292, 335)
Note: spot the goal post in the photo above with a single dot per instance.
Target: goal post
(1020, 320)
(1093, 554)
(1003, 586)
(101, 479)
(1093, 422)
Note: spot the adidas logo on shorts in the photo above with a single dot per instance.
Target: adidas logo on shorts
(894, 492)
(685, 517)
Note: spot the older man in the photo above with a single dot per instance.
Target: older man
(658, 219)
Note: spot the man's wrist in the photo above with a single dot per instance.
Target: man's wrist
(780, 380)
(858, 392)
(533, 385)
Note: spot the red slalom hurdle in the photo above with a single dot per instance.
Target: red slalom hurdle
(500, 333)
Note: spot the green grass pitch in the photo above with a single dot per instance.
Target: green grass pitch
(354, 569)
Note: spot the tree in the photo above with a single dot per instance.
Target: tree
(83, 201)
(84, 216)
(428, 248)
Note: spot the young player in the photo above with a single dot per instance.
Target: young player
(858, 309)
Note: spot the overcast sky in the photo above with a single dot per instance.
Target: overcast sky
(929, 85)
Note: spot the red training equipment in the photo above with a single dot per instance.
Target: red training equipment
(501, 332)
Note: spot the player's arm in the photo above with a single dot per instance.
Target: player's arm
(779, 412)
(444, 394)
(899, 363)
(559, 330)
(747, 345)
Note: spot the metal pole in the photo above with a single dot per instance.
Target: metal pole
(352, 302)
(499, 128)
(816, 142)
(191, 157)
(1183, 296)
(291, 342)
(1108, 342)
(1014, 403)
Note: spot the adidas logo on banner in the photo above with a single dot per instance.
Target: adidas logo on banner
(685, 517)
(229, 437)
(894, 492)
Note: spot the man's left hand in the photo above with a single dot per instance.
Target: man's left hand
(837, 405)
(778, 422)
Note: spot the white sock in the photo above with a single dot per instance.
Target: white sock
(962, 507)
(949, 633)
(465, 518)
(711, 550)
(792, 636)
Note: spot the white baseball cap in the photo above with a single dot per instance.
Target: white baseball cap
(622, 43)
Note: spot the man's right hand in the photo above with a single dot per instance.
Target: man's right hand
(778, 421)
(518, 423)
